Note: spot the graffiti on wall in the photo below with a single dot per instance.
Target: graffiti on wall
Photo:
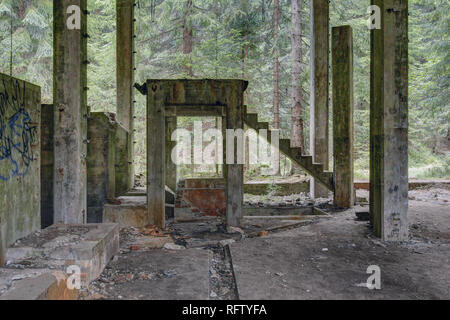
(17, 131)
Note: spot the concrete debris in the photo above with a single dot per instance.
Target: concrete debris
(263, 233)
(226, 242)
(173, 246)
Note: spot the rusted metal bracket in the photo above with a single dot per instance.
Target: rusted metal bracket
(141, 88)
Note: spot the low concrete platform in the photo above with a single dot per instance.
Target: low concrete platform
(131, 212)
(89, 247)
(34, 284)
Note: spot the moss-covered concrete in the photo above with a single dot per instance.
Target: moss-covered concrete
(122, 162)
(389, 122)
(100, 164)
(342, 74)
(125, 53)
(20, 160)
(319, 97)
(70, 100)
(47, 164)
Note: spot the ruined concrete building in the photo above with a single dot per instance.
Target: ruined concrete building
(67, 178)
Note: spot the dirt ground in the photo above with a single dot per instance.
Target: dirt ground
(329, 260)
(326, 258)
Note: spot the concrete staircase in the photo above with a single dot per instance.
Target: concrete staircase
(306, 162)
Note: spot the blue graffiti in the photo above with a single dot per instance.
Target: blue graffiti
(17, 132)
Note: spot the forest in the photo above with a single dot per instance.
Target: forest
(263, 41)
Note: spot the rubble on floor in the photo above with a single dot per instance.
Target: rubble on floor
(89, 247)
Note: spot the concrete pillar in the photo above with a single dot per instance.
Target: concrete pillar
(234, 171)
(156, 163)
(125, 74)
(389, 122)
(171, 167)
(342, 68)
(101, 180)
(319, 97)
(223, 127)
(70, 103)
(47, 164)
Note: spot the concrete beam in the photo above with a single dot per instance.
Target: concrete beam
(342, 68)
(319, 97)
(163, 93)
(156, 157)
(125, 48)
(70, 102)
(195, 110)
(389, 122)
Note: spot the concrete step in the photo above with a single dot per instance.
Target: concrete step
(295, 154)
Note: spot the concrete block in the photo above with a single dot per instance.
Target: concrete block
(35, 284)
(89, 247)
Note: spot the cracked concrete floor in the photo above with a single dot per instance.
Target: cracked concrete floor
(325, 259)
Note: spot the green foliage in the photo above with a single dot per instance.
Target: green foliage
(221, 30)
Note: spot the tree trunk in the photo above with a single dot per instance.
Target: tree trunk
(245, 49)
(187, 37)
(276, 103)
(297, 136)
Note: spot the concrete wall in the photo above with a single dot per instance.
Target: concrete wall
(19, 160)
(100, 164)
(47, 165)
(122, 161)
(204, 197)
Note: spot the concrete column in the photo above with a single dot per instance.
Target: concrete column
(223, 127)
(235, 171)
(319, 97)
(342, 68)
(125, 74)
(156, 162)
(70, 103)
(47, 164)
(101, 182)
(171, 167)
(389, 122)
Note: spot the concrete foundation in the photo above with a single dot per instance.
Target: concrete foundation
(89, 247)
(132, 211)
